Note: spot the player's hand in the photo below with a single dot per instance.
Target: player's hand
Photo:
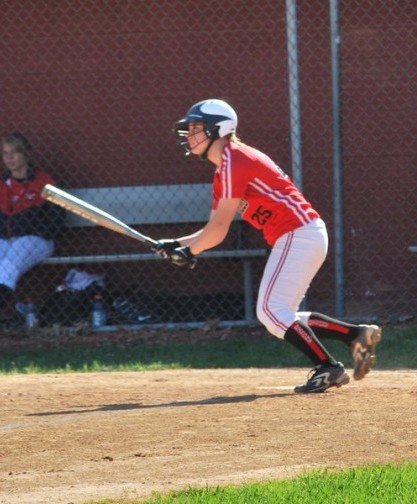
(165, 246)
(182, 256)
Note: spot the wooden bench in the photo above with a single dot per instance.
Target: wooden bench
(159, 204)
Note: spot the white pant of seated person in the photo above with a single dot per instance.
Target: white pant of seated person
(18, 255)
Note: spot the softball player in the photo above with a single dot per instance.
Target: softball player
(249, 182)
(27, 223)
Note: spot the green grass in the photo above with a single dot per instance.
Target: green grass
(135, 357)
(397, 350)
(379, 484)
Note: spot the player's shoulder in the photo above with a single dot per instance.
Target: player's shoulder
(245, 154)
(239, 147)
(241, 152)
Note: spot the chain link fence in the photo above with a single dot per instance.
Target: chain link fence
(96, 87)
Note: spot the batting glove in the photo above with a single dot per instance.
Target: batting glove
(182, 256)
(165, 246)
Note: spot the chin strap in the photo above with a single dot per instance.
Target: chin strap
(203, 156)
(213, 135)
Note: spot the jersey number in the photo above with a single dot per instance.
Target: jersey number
(261, 215)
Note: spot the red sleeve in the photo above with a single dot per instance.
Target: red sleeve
(235, 174)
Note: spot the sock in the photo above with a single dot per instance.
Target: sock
(303, 338)
(327, 328)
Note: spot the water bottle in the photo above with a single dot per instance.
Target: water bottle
(98, 312)
(31, 317)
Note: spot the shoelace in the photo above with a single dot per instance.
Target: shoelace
(314, 371)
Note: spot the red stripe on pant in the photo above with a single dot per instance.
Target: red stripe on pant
(273, 281)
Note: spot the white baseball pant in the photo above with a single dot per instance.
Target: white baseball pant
(293, 262)
(20, 254)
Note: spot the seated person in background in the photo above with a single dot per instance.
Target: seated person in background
(28, 223)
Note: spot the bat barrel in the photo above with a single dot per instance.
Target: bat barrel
(91, 213)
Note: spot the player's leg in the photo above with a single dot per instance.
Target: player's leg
(293, 263)
(22, 254)
(5, 290)
(362, 339)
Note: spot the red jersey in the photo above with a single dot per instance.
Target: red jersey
(269, 199)
(23, 211)
(19, 195)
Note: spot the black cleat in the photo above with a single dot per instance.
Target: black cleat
(323, 377)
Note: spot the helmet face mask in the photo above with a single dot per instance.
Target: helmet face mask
(218, 117)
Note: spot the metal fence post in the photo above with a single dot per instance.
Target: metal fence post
(337, 160)
(294, 93)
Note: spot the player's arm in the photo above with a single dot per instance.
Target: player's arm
(166, 245)
(182, 251)
(217, 226)
(216, 229)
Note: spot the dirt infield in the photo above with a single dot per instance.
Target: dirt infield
(74, 437)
